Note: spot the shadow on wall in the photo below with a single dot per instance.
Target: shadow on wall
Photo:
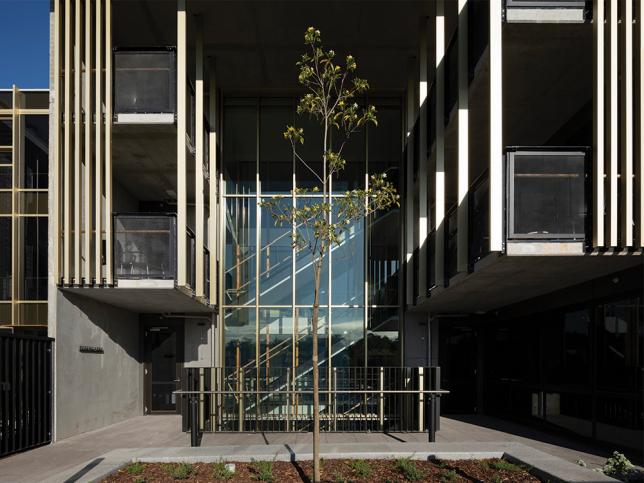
(99, 380)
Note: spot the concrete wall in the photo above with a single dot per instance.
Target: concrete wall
(95, 389)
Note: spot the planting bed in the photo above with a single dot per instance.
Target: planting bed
(400, 470)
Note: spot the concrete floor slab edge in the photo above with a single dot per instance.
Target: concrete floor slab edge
(548, 467)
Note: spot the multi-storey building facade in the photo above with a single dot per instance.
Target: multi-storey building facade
(24, 164)
(509, 128)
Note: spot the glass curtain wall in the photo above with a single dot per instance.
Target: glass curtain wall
(24, 140)
(267, 291)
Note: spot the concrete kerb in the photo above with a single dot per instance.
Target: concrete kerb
(547, 467)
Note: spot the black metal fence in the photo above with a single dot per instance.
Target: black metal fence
(389, 399)
(25, 392)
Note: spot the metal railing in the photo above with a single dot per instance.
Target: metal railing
(354, 399)
(26, 384)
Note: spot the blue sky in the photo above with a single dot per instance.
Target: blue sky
(24, 43)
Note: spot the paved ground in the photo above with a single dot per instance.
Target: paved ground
(164, 431)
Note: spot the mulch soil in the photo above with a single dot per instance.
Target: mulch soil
(494, 471)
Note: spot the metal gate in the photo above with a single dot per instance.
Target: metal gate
(25, 392)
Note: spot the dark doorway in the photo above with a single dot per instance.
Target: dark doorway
(163, 366)
(458, 354)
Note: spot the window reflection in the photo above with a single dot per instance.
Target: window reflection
(239, 338)
(240, 251)
(347, 263)
(347, 343)
(276, 259)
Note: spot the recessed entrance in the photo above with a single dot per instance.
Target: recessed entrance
(163, 364)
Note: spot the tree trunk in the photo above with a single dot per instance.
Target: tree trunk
(316, 374)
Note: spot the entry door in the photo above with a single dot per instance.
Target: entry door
(162, 370)
(458, 361)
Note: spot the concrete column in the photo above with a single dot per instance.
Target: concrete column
(199, 160)
(463, 138)
(641, 128)
(496, 126)
(423, 160)
(598, 124)
(181, 143)
(439, 217)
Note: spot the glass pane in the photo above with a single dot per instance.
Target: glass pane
(385, 146)
(240, 153)
(6, 99)
(309, 175)
(5, 314)
(383, 343)
(304, 267)
(241, 226)
(347, 264)
(384, 257)
(275, 154)
(162, 353)
(34, 258)
(347, 342)
(549, 194)
(239, 338)
(36, 100)
(5, 177)
(5, 258)
(5, 203)
(36, 152)
(32, 314)
(6, 138)
(5, 157)
(354, 152)
(304, 339)
(276, 262)
(33, 203)
(275, 337)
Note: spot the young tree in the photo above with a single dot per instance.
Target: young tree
(330, 99)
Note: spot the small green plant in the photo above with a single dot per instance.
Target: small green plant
(135, 468)
(139, 479)
(581, 462)
(178, 471)
(503, 465)
(448, 475)
(409, 470)
(338, 478)
(220, 471)
(361, 468)
(618, 466)
(497, 479)
(263, 470)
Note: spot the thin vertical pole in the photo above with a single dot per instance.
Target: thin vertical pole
(67, 150)
(181, 143)
(199, 160)
(98, 140)
(108, 142)
(598, 124)
(496, 127)
(439, 259)
(421, 399)
(614, 127)
(77, 142)
(627, 106)
(463, 138)
(55, 185)
(87, 195)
